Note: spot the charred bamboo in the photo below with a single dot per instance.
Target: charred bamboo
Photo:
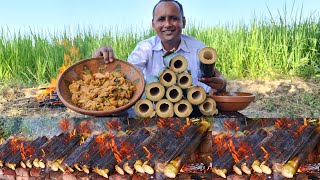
(291, 167)
(171, 170)
(310, 168)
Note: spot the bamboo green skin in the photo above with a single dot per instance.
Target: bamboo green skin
(207, 70)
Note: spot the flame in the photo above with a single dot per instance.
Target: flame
(148, 152)
(43, 153)
(231, 124)
(85, 127)
(72, 54)
(64, 124)
(221, 144)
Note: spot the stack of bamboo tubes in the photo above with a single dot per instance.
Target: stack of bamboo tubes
(172, 93)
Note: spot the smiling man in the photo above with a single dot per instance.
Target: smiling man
(168, 21)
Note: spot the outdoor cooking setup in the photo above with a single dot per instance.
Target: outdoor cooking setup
(162, 127)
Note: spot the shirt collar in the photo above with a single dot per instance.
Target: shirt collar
(158, 45)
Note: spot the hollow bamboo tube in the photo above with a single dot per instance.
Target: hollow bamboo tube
(184, 80)
(208, 107)
(183, 108)
(144, 108)
(167, 77)
(196, 95)
(174, 93)
(207, 57)
(177, 63)
(164, 108)
(154, 90)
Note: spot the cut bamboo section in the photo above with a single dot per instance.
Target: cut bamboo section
(196, 95)
(177, 63)
(184, 80)
(207, 57)
(164, 108)
(208, 107)
(183, 108)
(154, 89)
(167, 77)
(144, 108)
(174, 94)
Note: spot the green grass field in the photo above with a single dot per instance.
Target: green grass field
(262, 49)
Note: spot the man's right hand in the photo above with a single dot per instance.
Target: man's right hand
(106, 52)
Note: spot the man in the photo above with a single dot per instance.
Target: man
(168, 22)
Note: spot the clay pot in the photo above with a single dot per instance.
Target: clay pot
(232, 101)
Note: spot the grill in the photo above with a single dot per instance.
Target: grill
(160, 148)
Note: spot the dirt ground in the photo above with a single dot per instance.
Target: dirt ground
(273, 99)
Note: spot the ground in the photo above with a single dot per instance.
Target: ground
(273, 99)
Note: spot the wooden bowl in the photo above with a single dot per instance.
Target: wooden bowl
(93, 65)
(233, 101)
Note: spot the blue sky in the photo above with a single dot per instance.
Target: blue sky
(59, 14)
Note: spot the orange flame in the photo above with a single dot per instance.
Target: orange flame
(148, 152)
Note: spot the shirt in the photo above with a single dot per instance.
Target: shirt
(148, 56)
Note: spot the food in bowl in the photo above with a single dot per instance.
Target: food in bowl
(101, 91)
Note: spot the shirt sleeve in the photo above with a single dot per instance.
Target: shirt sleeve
(140, 55)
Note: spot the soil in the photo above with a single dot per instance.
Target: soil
(273, 99)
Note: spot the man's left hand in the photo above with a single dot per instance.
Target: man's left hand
(218, 84)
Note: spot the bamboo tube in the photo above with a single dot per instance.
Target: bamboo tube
(154, 90)
(177, 63)
(183, 108)
(208, 107)
(196, 95)
(164, 108)
(167, 77)
(207, 57)
(291, 167)
(184, 80)
(174, 94)
(172, 169)
(144, 108)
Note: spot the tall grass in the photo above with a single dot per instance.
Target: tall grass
(265, 48)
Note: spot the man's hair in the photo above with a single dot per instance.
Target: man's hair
(180, 6)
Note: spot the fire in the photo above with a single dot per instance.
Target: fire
(71, 54)
(231, 125)
(148, 152)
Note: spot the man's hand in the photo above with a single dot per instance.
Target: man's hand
(217, 83)
(106, 52)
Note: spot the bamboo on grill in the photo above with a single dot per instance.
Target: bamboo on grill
(184, 80)
(307, 168)
(9, 148)
(196, 95)
(164, 108)
(167, 77)
(225, 163)
(174, 93)
(180, 142)
(207, 57)
(177, 63)
(183, 108)
(144, 108)
(208, 107)
(280, 151)
(172, 169)
(154, 90)
(26, 150)
(291, 167)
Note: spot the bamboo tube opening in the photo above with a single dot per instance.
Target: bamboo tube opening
(208, 55)
(174, 94)
(208, 107)
(183, 108)
(196, 95)
(178, 64)
(144, 108)
(168, 78)
(184, 80)
(164, 108)
(154, 91)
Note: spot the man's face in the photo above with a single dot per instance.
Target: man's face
(168, 22)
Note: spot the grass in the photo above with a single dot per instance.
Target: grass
(264, 48)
